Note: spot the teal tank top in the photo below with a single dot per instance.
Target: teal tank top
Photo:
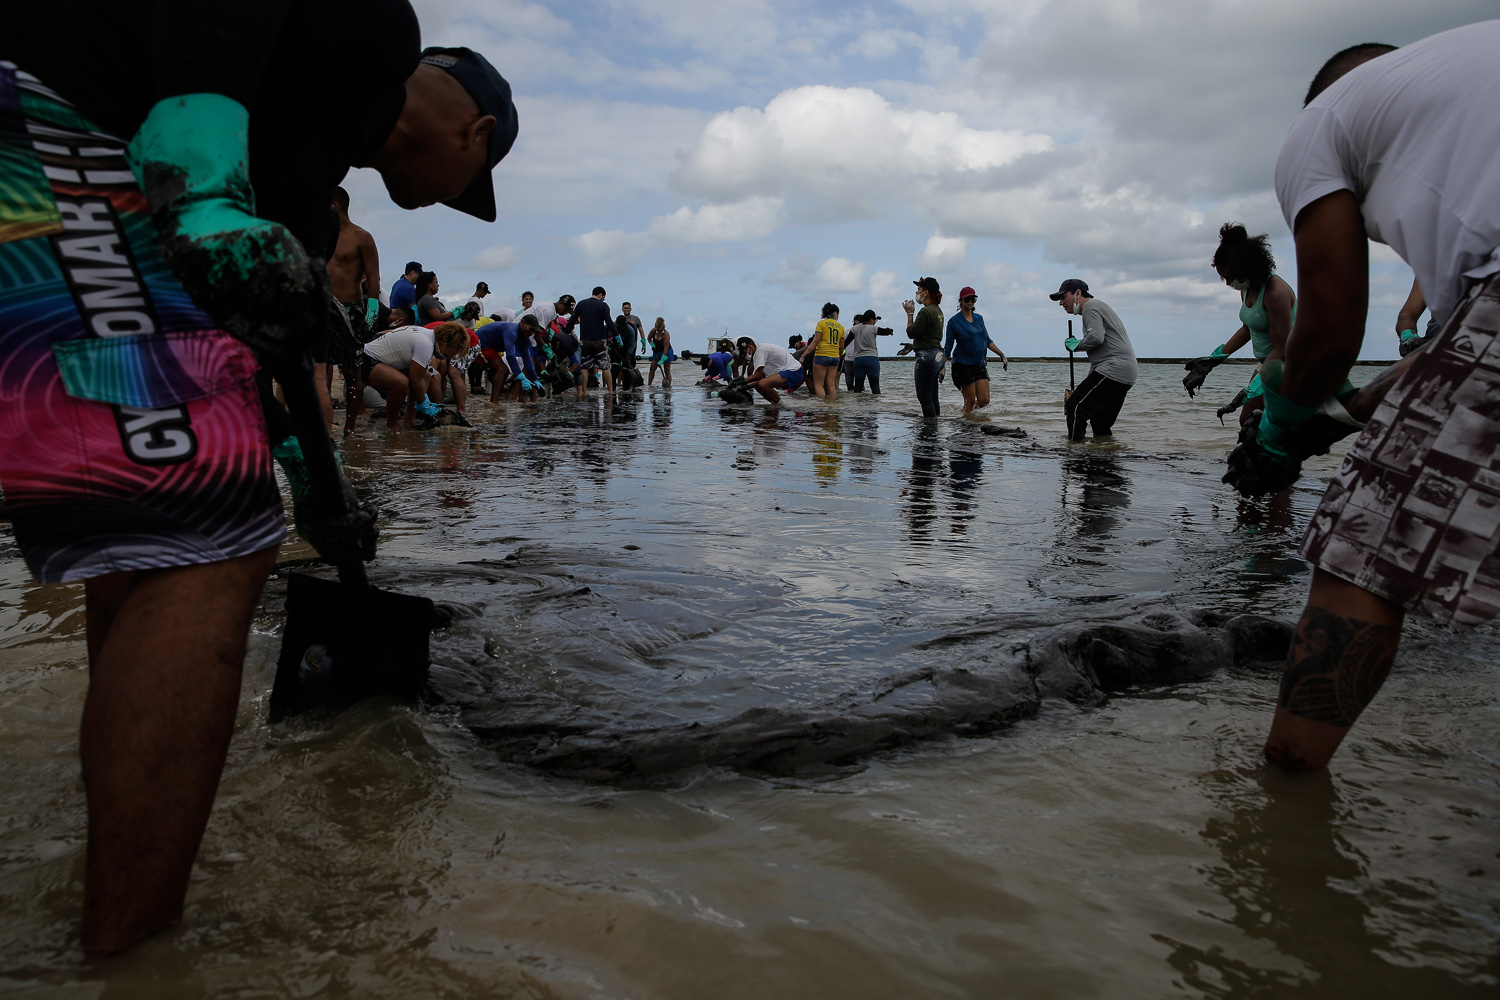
(1255, 319)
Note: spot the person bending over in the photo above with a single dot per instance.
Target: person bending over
(148, 473)
(1395, 146)
(405, 365)
(771, 368)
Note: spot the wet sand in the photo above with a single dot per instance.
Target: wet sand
(739, 701)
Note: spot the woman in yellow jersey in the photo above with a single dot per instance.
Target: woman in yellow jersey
(827, 347)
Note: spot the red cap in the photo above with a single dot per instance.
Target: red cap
(966, 291)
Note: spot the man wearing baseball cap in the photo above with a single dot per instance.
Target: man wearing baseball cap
(1112, 368)
(404, 288)
(167, 140)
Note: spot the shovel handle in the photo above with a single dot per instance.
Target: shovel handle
(327, 496)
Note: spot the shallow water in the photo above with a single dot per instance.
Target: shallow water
(740, 701)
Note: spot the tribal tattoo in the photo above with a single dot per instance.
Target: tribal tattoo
(1336, 666)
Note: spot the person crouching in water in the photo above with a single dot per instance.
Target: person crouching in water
(827, 347)
(404, 364)
(772, 367)
(719, 363)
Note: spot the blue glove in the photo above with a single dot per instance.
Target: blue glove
(1410, 341)
(191, 157)
(525, 383)
(1071, 344)
(428, 408)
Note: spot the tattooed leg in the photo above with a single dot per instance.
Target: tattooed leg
(1340, 655)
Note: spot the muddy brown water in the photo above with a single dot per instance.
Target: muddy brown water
(740, 702)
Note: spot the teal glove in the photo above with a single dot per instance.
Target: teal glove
(191, 157)
(1071, 344)
(1218, 354)
(349, 535)
(456, 313)
(372, 309)
(1280, 422)
(1410, 340)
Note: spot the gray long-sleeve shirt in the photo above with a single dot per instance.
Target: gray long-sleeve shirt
(1106, 343)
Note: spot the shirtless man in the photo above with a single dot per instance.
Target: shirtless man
(354, 274)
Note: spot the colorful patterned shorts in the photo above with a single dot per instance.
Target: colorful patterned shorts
(134, 435)
(1414, 512)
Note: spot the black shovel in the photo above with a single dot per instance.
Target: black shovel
(347, 640)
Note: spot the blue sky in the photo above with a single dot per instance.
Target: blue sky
(736, 164)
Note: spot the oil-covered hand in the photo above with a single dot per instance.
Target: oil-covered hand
(252, 276)
(1198, 369)
(1255, 471)
(1410, 341)
(340, 537)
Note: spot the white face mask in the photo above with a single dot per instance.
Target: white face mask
(1240, 286)
(1078, 305)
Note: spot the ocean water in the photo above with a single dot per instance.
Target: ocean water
(742, 701)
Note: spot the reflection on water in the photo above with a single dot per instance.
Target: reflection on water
(638, 575)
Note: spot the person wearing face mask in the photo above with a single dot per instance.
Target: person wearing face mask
(1268, 306)
(925, 329)
(1112, 368)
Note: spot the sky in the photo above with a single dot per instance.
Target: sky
(733, 165)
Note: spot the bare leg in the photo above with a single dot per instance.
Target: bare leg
(166, 649)
(968, 392)
(981, 393)
(1340, 656)
(322, 376)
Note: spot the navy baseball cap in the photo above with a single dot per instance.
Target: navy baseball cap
(1071, 285)
(490, 91)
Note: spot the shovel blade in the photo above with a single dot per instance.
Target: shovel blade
(345, 643)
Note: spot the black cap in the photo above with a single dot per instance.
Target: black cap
(1071, 285)
(928, 283)
(490, 91)
(411, 266)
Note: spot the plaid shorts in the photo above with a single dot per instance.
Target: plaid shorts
(1413, 515)
(595, 356)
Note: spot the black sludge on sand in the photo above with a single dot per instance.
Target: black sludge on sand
(598, 673)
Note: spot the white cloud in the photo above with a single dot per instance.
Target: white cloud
(840, 274)
(885, 286)
(848, 147)
(751, 219)
(943, 253)
(497, 258)
(884, 43)
(611, 251)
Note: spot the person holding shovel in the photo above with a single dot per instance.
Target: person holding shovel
(136, 412)
(1112, 368)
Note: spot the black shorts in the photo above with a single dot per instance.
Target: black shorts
(966, 374)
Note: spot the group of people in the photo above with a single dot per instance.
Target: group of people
(186, 255)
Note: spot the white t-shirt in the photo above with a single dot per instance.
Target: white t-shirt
(1413, 134)
(402, 347)
(506, 315)
(773, 358)
(544, 313)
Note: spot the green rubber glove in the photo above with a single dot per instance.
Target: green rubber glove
(1409, 340)
(191, 157)
(372, 309)
(1282, 418)
(1218, 354)
(1071, 344)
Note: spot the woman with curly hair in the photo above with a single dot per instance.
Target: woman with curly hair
(1267, 308)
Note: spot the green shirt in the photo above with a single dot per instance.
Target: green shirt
(926, 330)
